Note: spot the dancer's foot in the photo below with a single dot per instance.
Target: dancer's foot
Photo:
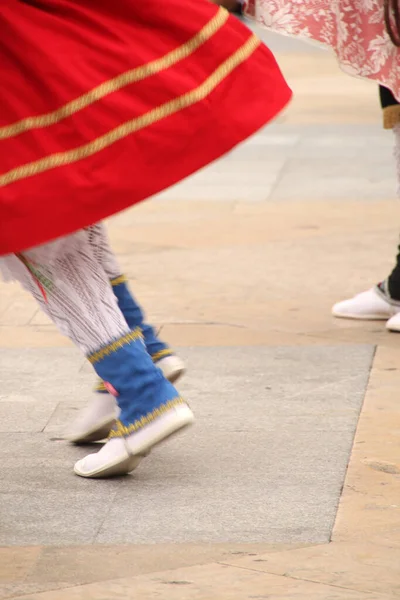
(96, 420)
(121, 455)
(172, 367)
(393, 324)
(372, 305)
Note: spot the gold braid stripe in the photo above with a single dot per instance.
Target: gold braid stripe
(100, 387)
(132, 336)
(121, 430)
(161, 112)
(115, 84)
(118, 280)
(162, 354)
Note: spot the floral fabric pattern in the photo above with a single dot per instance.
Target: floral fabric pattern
(355, 30)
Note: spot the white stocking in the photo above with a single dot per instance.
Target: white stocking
(104, 253)
(68, 280)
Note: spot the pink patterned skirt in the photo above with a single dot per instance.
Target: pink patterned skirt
(355, 29)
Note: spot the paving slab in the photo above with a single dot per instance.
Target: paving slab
(208, 582)
(367, 568)
(314, 162)
(265, 462)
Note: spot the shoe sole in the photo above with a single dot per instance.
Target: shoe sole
(120, 466)
(355, 317)
(96, 433)
(175, 375)
(140, 444)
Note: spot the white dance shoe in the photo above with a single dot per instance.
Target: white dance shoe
(372, 305)
(120, 456)
(96, 420)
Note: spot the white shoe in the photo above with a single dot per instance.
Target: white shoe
(371, 305)
(113, 459)
(120, 456)
(172, 367)
(97, 419)
(394, 323)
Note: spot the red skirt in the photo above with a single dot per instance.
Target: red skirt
(104, 103)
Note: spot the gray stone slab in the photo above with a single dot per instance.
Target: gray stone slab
(337, 162)
(264, 463)
(297, 162)
(21, 413)
(33, 383)
(222, 182)
(41, 501)
(336, 179)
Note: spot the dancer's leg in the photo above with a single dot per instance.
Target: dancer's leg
(382, 302)
(129, 307)
(74, 291)
(95, 421)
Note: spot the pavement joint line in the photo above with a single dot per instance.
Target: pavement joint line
(100, 527)
(282, 171)
(306, 580)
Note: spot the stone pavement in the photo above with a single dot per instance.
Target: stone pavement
(270, 495)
